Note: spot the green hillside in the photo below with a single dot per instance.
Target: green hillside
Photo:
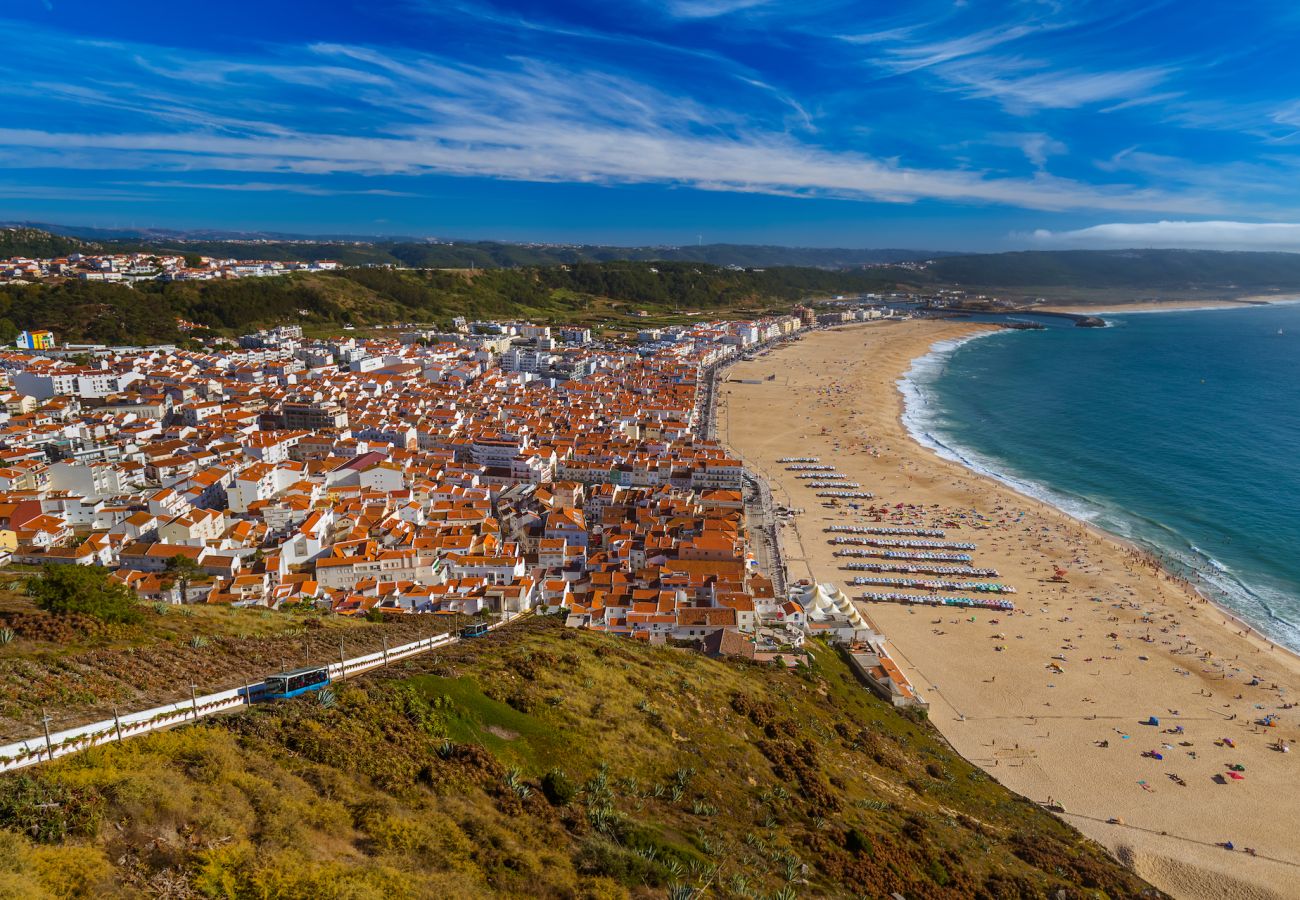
(545, 762)
(587, 292)
(38, 244)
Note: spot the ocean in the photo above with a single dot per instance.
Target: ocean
(1177, 431)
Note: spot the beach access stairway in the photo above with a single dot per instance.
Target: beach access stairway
(881, 674)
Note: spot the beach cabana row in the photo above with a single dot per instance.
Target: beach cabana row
(980, 587)
(894, 542)
(935, 600)
(874, 529)
(905, 554)
(922, 569)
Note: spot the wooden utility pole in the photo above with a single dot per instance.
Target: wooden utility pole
(49, 744)
(117, 724)
(343, 661)
(194, 700)
(384, 638)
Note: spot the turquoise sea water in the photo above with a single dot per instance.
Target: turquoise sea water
(1179, 431)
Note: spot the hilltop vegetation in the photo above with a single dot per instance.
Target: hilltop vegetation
(38, 244)
(1134, 270)
(544, 762)
(111, 313)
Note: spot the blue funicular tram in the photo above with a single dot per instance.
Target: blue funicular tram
(295, 682)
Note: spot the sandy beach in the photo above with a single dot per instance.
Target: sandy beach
(1050, 699)
(1162, 305)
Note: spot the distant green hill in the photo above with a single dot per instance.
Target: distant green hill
(38, 244)
(1168, 270)
(484, 254)
(495, 254)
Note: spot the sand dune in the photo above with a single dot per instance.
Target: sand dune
(1130, 642)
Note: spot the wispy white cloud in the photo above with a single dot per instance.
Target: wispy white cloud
(708, 9)
(1209, 235)
(965, 62)
(1035, 145)
(270, 187)
(557, 151)
(1021, 84)
(904, 56)
(73, 195)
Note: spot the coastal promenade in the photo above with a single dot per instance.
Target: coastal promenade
(1057, 699)
(765, 537)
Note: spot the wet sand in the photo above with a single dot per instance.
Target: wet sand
(1129, 640)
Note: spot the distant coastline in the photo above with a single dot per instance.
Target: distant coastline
(1144, 306)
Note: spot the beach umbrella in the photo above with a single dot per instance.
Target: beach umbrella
(1236, 776)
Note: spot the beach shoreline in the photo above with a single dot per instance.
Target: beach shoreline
(909, 389)
(1133, 640)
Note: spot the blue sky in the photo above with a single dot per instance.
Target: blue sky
(965, 125)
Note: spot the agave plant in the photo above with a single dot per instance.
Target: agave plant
(160, 608)
(515, 781)
(198, 642)
(790, 867)
(6, 636)
(702, 871)
(326, 698)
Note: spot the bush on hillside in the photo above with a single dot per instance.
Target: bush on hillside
(85, 590)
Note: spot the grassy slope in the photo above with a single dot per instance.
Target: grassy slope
(78, 668)
(427, 782)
